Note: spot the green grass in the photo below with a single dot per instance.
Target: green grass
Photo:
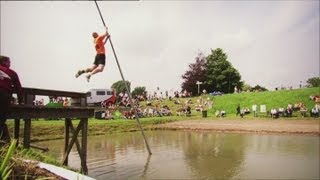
(54, 129)
(12, 165)
(272, 99)
(5, 164)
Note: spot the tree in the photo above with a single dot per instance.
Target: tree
(220, 74)
(313, 82)
(138, 91)
(259, 88)
(195, 73)
(246, 87)
(120, 86)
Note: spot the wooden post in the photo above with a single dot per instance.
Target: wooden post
(16, 130)
(29, 98)
(27, 132)
(66, 139)
(84, 145)
(83, 102)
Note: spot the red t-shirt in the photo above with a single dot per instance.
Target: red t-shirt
(9, 81)
(99, 44)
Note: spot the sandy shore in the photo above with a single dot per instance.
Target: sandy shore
(283, 126)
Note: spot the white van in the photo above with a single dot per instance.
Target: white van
(101, 97)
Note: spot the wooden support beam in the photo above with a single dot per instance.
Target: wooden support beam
(84, 145)
(77, 142)
(27, 132)
(16, 130)
(49, 92)
(45, 149)
(67, 123)
(75, 135)
(30, 112)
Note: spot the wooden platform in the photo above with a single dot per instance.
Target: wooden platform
(28, 112)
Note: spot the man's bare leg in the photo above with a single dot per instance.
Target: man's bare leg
(94, 71)
(86, 70)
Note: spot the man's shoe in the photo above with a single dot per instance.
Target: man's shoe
(79, 73)
(88, 77)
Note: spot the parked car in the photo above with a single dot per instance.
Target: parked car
(216, 93)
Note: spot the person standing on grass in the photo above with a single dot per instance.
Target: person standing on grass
(238, 109)
(100, 59)
(9, 83)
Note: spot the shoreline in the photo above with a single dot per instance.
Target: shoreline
(249, 126)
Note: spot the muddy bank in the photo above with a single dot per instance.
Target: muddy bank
(282, 126)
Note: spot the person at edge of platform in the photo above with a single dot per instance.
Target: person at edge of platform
(9, 84)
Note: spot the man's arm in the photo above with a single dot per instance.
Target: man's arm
(102, 37)
(108, 36)
(17, 87)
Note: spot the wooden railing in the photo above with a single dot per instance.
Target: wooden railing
(28, 111)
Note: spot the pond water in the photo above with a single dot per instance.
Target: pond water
(197, 155)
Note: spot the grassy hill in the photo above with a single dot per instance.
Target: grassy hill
(229, 102)
(272, 99)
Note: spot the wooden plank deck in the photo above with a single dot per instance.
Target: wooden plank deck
(32, 112)
(28, 111)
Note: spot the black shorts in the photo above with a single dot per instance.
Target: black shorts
(100, 59)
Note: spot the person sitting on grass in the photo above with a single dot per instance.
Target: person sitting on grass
(217, 113)
(315, 112)
(223, 113)
(242, 113)
(274, 113)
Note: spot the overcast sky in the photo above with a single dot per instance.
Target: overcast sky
(271, 43)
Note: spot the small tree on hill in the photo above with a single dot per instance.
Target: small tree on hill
(313, 82)
(120, 86)
(220, 74)
(138, 91)
(259, 88)
(246, 87)
(195, 73)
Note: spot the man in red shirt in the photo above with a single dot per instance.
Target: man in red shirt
(100, 59)
(9, 83)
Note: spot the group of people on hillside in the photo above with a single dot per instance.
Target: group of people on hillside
(281, 112)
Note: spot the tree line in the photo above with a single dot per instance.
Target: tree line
(213, 73)
(217, 74)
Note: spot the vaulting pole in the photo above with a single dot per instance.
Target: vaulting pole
(127, 88)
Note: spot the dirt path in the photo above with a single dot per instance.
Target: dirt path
(283, 126)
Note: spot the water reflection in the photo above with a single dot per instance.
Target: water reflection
(197, 155)
(214, 155)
